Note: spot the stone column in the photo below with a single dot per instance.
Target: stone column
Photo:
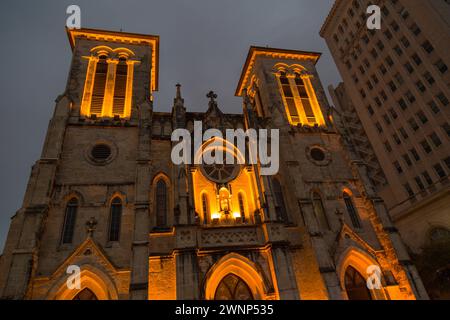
(324, 260)
(297, 99)
(109, 88)
(187, 275)
(313, 98)
(88, 86)
(129, 88)
(284, 273)
(140, 245)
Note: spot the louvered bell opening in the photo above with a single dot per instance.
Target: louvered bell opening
(98, 91)
(101, 152)
(305, 99)
(120, 88)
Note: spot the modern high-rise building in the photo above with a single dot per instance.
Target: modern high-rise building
(398, 83)
(105, 197)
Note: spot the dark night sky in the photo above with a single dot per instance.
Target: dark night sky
(203, 46)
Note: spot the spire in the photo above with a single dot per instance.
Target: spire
(178, 110)
(178, 101)
(178, 90)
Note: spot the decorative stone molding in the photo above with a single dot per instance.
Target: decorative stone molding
(113, 154)
(310, 150)
(229, 237)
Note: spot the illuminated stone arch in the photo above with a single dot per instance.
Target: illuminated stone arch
(241, 267)
(222, 144)
(108, 51)
(293, 68)
(90, 278)
(73, 194)
(117, 194)
(350, 190)
(360, 261)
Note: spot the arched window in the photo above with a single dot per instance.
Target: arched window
(352, 211)
(289, 98)
(98, 91)
(115, 219)
(233, 288)
(241, 206)
(161, 203)
(205, 208)
(355, 285)
(306, 103)
(120, 88)
(319, 212)
(85, 294)
(280, 205)
(69, 221)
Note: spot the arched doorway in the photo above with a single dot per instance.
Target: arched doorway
(85, 294)
(237, 278)
(94, 285)
(232, 287)
(355, 285)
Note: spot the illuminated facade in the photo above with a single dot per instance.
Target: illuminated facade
(106, 196)
(394, 103)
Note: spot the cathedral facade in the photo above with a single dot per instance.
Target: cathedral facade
(106, 197)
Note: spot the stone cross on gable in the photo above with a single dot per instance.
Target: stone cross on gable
(91, 224)
(211, 95)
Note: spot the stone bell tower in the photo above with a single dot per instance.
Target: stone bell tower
(326, 187)
(93, 168)
(105, 196)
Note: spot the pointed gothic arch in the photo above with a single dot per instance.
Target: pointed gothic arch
(351, 209)
(92, 279)
(162, 201)
(115, 219)
(239, 266)
(359, 260)
(70, 220)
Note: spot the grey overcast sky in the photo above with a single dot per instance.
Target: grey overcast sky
(203, 46)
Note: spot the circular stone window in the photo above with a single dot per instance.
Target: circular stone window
(100, 153)
(318, 155)
(220, 173)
